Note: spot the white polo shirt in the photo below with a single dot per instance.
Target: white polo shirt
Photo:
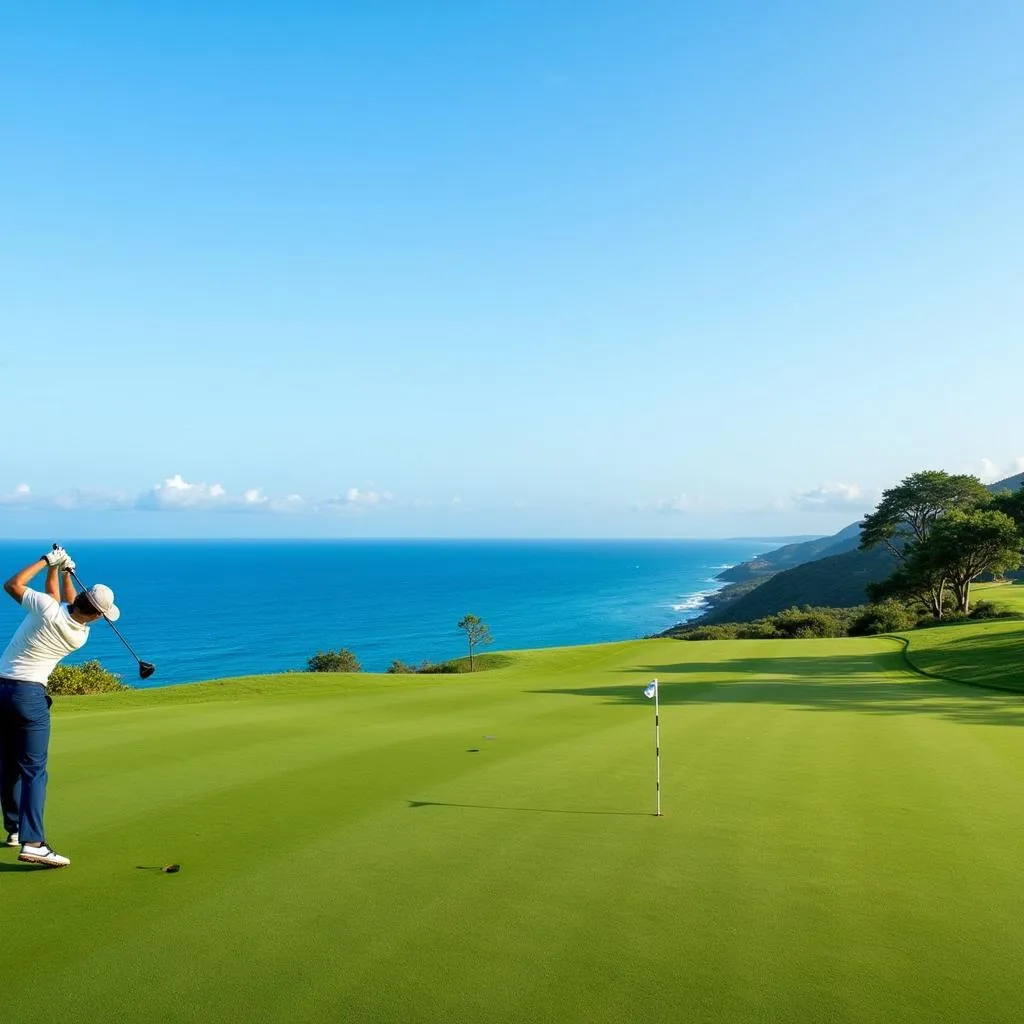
(47, 635)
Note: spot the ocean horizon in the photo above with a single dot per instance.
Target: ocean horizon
(208, 609)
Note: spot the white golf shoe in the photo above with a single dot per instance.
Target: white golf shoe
(43, 855)
(12, 839)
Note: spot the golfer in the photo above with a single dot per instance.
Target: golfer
(51, 630)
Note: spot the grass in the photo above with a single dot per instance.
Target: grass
(986, 653)
(1005, 595)
(841, 843)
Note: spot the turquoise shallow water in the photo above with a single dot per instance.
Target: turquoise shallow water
(209, 609)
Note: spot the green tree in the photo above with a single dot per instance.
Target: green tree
(334, 661)
(907, 512)
(1012, 504)
(903, 522)
(963, 545)
(477, 632)
(915, 580)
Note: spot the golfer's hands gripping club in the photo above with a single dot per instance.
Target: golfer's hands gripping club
(57, 557)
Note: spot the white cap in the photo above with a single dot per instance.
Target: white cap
(103, 599)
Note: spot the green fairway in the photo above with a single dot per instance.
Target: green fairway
(842, 841)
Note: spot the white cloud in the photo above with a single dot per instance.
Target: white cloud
(77, 498)
(832, 497)
(992, 471)
(354, 496)
(20, 497)
(176, 493)
(354, 501)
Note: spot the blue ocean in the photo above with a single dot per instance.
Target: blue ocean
(211, 609)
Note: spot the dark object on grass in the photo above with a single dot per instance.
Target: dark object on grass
(170, 869)
(473, 750)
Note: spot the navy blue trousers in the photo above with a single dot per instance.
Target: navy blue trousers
(24, 741)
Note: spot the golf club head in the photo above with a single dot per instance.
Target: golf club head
(146, 669)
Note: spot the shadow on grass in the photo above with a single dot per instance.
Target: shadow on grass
(814, 683)
(20, 866)
(413, 804)
(978, 659)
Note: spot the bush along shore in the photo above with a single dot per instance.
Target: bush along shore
(807, 622)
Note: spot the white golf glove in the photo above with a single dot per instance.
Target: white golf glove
(55, 556)
(68, 564)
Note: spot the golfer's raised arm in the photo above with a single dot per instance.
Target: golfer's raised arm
(52, 582)
(69, 587)
(18, 583)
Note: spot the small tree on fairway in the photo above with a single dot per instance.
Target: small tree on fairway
(477, 633)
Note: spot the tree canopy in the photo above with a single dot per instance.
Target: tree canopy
(908, 511)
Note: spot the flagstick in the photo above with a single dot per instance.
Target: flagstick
(657, 749)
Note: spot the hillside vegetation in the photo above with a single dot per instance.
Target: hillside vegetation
(837, 581)
(825, 572)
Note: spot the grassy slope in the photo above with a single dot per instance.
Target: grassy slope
(987, 653)
(841, 843)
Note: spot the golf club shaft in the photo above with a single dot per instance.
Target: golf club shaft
(82, 586)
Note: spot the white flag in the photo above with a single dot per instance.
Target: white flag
(651, 689)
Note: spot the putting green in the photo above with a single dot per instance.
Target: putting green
(842, 842)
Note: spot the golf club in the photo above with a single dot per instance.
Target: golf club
(146, 669)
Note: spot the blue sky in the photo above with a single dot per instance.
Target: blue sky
(504, 269)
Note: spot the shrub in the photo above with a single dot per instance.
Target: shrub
(804, 623)
(89, 677)
(948, 619)
(762, 629)
(458, 666)
(400, 668)
(334, 661)
(987, 610)
(442, 667)
(725, 631)
(885, 617)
